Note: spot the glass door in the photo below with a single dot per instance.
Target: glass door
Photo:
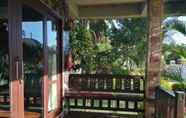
(11, 89)
(53, 76)
(33, 60)
(4, 60)
(40, 62)
(30, 62)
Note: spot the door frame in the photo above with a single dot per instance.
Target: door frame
(15, 59)
(58, 82)
(47, 12)
(16, 54)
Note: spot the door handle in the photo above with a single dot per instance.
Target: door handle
(17, 69)
(18, 77)
(22, 70)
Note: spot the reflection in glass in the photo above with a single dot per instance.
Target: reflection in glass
(52, 63)
(32, 38)
(66, 35)
(4, 57)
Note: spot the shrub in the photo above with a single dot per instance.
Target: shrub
(166, 84)
(179, 87)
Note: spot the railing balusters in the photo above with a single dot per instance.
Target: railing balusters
(136, 84)
(169, 104)
(127, 105)
(127, 85)
(118, 84)
(135, 105)
(106, 92)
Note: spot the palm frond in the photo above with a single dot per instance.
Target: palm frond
(175, 24)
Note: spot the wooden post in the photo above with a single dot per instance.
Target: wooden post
(180, 104)
(15, 52)
(155, 12)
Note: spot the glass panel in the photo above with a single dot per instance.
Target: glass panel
(52, 63)
(66, 36)
(32, 37)
(4, 57)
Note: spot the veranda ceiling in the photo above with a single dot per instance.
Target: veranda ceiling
(106, 8)
(118, 8)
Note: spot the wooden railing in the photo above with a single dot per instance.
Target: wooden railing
(169, 104)
(106, 92)
(32, 91)
(107, 83)
(4, 95)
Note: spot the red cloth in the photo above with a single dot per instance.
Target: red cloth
(68, 61)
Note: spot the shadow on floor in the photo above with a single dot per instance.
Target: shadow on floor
(75, 114)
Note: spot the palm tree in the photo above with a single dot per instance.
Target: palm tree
(180, 50)
(176, 24)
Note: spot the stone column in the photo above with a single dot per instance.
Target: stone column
(155, 13)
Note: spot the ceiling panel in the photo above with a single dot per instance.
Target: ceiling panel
(103, 2)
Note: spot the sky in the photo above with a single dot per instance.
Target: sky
(34, 30)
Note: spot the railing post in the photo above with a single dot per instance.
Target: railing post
(180, 104)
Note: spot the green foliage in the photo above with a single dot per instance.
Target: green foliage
(179, 86)
(83, 47)
(176, 24)
(180, 50)
(172, 85)
(174, 52)
(172, 81)
(104, 45)
(176, 76)
(129, 40)
(110, 46)
(165, 84)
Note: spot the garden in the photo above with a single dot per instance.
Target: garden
(119, 47)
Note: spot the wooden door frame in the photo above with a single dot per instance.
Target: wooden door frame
(47, 12)
(15, 52)
(57, 111)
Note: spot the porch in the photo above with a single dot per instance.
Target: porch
(135, 96)
(36, 82)
(118, 96)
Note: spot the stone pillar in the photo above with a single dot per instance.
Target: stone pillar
(155, 13)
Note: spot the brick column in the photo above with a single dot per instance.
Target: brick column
(155, 13)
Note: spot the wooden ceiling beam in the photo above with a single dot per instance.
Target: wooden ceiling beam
(131, 9)
(73, 8)
(175, 7)
(105, 2)
(110, 11)
(144, 10)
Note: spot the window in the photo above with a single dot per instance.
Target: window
(52, 64)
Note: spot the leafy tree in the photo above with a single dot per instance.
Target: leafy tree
(129, 40)
(82, 45)
(109, 46)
